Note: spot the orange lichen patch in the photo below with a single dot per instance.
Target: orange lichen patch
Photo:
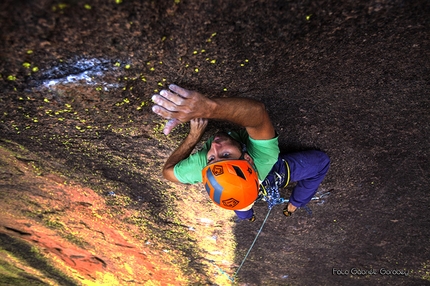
(74, 229)
(47, 240)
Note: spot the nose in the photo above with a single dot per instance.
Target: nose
(215, 149)
(215, 144)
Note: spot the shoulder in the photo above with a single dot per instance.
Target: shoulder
(264, 153)
(240, 135)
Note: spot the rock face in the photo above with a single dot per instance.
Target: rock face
(71, 228)
(82, 198)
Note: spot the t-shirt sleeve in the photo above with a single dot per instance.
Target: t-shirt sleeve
(189, 170)
(265, 154)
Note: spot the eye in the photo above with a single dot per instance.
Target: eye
(210, 159)
(226, 155)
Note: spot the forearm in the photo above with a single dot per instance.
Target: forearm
(242, 111)
(182, 105)
(245, 112)
(197, 128)
(182, 152)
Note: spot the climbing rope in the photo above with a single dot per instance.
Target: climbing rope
(252, 245)
(272, 197)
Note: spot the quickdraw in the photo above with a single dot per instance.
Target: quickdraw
(270, 190)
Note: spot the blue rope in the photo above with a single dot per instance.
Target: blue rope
(222, 271)
(272, 197)
(252, 245)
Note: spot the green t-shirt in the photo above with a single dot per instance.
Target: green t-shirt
(263, 152)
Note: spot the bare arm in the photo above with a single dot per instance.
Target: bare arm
(197, 128)
(245, 112)
(182, 105)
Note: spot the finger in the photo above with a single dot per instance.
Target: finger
(164, 102)
(159, 110)
(172, 123)
(195, 122)
(199, 123)
(173, 97)
(181, 91)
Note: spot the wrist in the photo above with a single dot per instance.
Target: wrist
(212, 108)
(193, 138)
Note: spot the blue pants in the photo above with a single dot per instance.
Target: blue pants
(307, 168)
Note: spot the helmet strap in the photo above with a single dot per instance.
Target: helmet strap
(243, 151)
(243, 148)
(242, 157)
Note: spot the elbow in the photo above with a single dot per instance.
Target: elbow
(264, 117)
(262, 108)
(259, 109)
(169, 175)
(166, 174)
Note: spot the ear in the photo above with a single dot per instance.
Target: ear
(249, 159)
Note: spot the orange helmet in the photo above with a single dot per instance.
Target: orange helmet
(231, 184)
